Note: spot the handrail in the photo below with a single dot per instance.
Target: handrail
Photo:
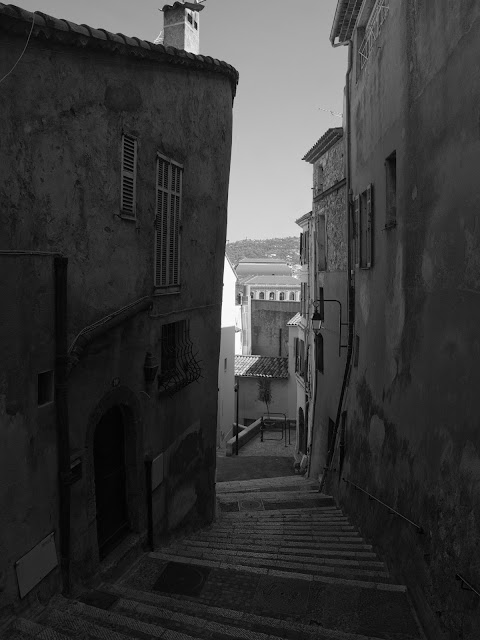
(469, 586)
(391, 510)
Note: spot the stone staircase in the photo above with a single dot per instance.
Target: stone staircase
(280, 562)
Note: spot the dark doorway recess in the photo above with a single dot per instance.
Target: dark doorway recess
(110, 481)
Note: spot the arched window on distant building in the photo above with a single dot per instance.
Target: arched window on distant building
(271, 295)
(261, 296)
(291, 295)
(252, 295)
(281, 296)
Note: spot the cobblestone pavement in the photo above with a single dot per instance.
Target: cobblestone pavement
(280, 561)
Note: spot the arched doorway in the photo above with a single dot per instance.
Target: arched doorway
(110, 480)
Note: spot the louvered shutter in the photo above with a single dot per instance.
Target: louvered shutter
(357, 230)
(167, 223)
(128, 205)
(369, 230)
(301, 248)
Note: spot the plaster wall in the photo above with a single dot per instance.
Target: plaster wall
(60, 191)
(226, 385)
(269, 326)
(251, 408)
(413, 436)
(28, 453)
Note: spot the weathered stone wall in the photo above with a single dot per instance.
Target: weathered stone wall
(60, 191)
(413, 436)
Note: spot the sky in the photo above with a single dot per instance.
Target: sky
(291, 78)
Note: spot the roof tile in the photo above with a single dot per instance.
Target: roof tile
(261, 367)
(295, 321)
(70, 33)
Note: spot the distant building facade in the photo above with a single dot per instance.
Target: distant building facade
(281, 288)
(112, 244)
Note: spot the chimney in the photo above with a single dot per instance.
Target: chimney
(181, 25)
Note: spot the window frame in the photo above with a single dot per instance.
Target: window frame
(364, 223)
(128, 177)
(167, 272)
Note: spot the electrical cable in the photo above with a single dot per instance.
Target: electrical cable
(24, 49)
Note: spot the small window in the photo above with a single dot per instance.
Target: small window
(271, 295)
(291, 295)
(167, 222)
(190, 18)
(178, 364)
(321, 243)
(261, 295)
(318, 184)
(195, 24)
(225, 362)
(319, 364)
(128, 194)
(364, 229)
(281, 296)
(252, 295)
(391, 190)
(45, 388)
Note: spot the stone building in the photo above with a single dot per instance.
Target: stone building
(281, 288)
(406, 427)
(319, 355)
(115, 164)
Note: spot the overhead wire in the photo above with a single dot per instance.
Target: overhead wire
(24, 49)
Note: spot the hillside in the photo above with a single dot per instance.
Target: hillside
(282, 248)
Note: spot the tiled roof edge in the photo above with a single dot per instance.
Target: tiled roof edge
(16, 20)
(326, 142)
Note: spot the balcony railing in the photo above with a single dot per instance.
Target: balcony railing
(372, 31)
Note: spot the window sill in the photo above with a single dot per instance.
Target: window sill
(165, 291)
(124, 216)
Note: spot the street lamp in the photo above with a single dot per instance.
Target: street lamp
(316, 322)
(318, 316)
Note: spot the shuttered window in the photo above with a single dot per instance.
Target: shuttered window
(128, 197)
(167, 222)
(364, 229)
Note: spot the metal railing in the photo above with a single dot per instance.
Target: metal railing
(372, 31)
(275, 422)
(390, 509)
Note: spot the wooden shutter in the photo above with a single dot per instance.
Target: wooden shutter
(128, 196)
(301, 248)
(357, 230)
(167, 223)
(369, 229)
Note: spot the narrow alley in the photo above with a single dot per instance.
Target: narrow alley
(280, 561)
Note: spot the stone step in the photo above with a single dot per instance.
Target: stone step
(259, 483)
(311, 551)
(281, 529)
(257, 626)
(199, 552)
(284, 524)
(275, 514)
(23, 628)
(308, 566)
(326, 544)
(289, 540)
(340, 577)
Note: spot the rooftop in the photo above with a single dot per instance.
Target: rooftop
(261, 367)
(326, 142)
(261, 261)
(18, 21)
(295, 321)
(345, 20)
(273, 280)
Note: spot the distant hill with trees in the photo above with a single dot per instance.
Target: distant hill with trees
(286, 249)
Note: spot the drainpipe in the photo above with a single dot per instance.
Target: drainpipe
(62, 422)
(350, 274)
